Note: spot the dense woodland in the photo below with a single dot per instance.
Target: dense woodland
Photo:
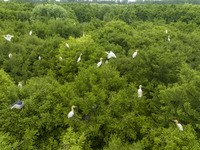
(109, 114)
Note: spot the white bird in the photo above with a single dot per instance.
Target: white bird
(10, 55)
(30, 33)
(178, 125)
(168, 38)
(8, 37)
(99, 63)
(39, 58)
(79, 58)
(60, 58)
(67, 45)
(83, 34)
(17, 105)
(20, 84)
(166, 31)
(140, 91)
(110, 55)
(135, 53)
(71, 113)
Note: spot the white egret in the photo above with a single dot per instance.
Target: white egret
(39, 57)
(83, 34)
(71, 113)
(60, 58)
(8, 37)
(30, 33)
(168, 38)
(135, 53)
(79, 58)
(99, 63)
(10, 55)
(166, 31)
(178, 125)
(67, 45)
(140, 91)
(110, 54)
(20, 84)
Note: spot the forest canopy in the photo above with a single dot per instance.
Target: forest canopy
(49, 58)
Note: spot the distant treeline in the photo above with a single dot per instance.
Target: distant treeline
(47, 40)
(115, 1)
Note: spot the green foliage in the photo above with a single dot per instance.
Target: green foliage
(47, 11)
(109, 113)
(73, 141)
(7, 142)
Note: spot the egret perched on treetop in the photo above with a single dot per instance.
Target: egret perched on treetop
(71, 113)
(135, 53)
(110, 54)
(10, 55)
(99, 63)
(17, 105)
(67, 45)
(20, 84)
(60, 58)
(30, 33)
(178, 125)
(79, 59)
(8, 37)
(168, 38)
(140, 91)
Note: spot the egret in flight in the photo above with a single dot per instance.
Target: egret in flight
(178, 125)
(79, 59)
(99, 63)
(17, 105)
(140, 91)
(110, 54)
(71, 113)
(135, 53)
(67, 45)
(10, 55)
(8, 37)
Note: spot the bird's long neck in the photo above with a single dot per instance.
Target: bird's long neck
(176, 122)
(73, 109)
